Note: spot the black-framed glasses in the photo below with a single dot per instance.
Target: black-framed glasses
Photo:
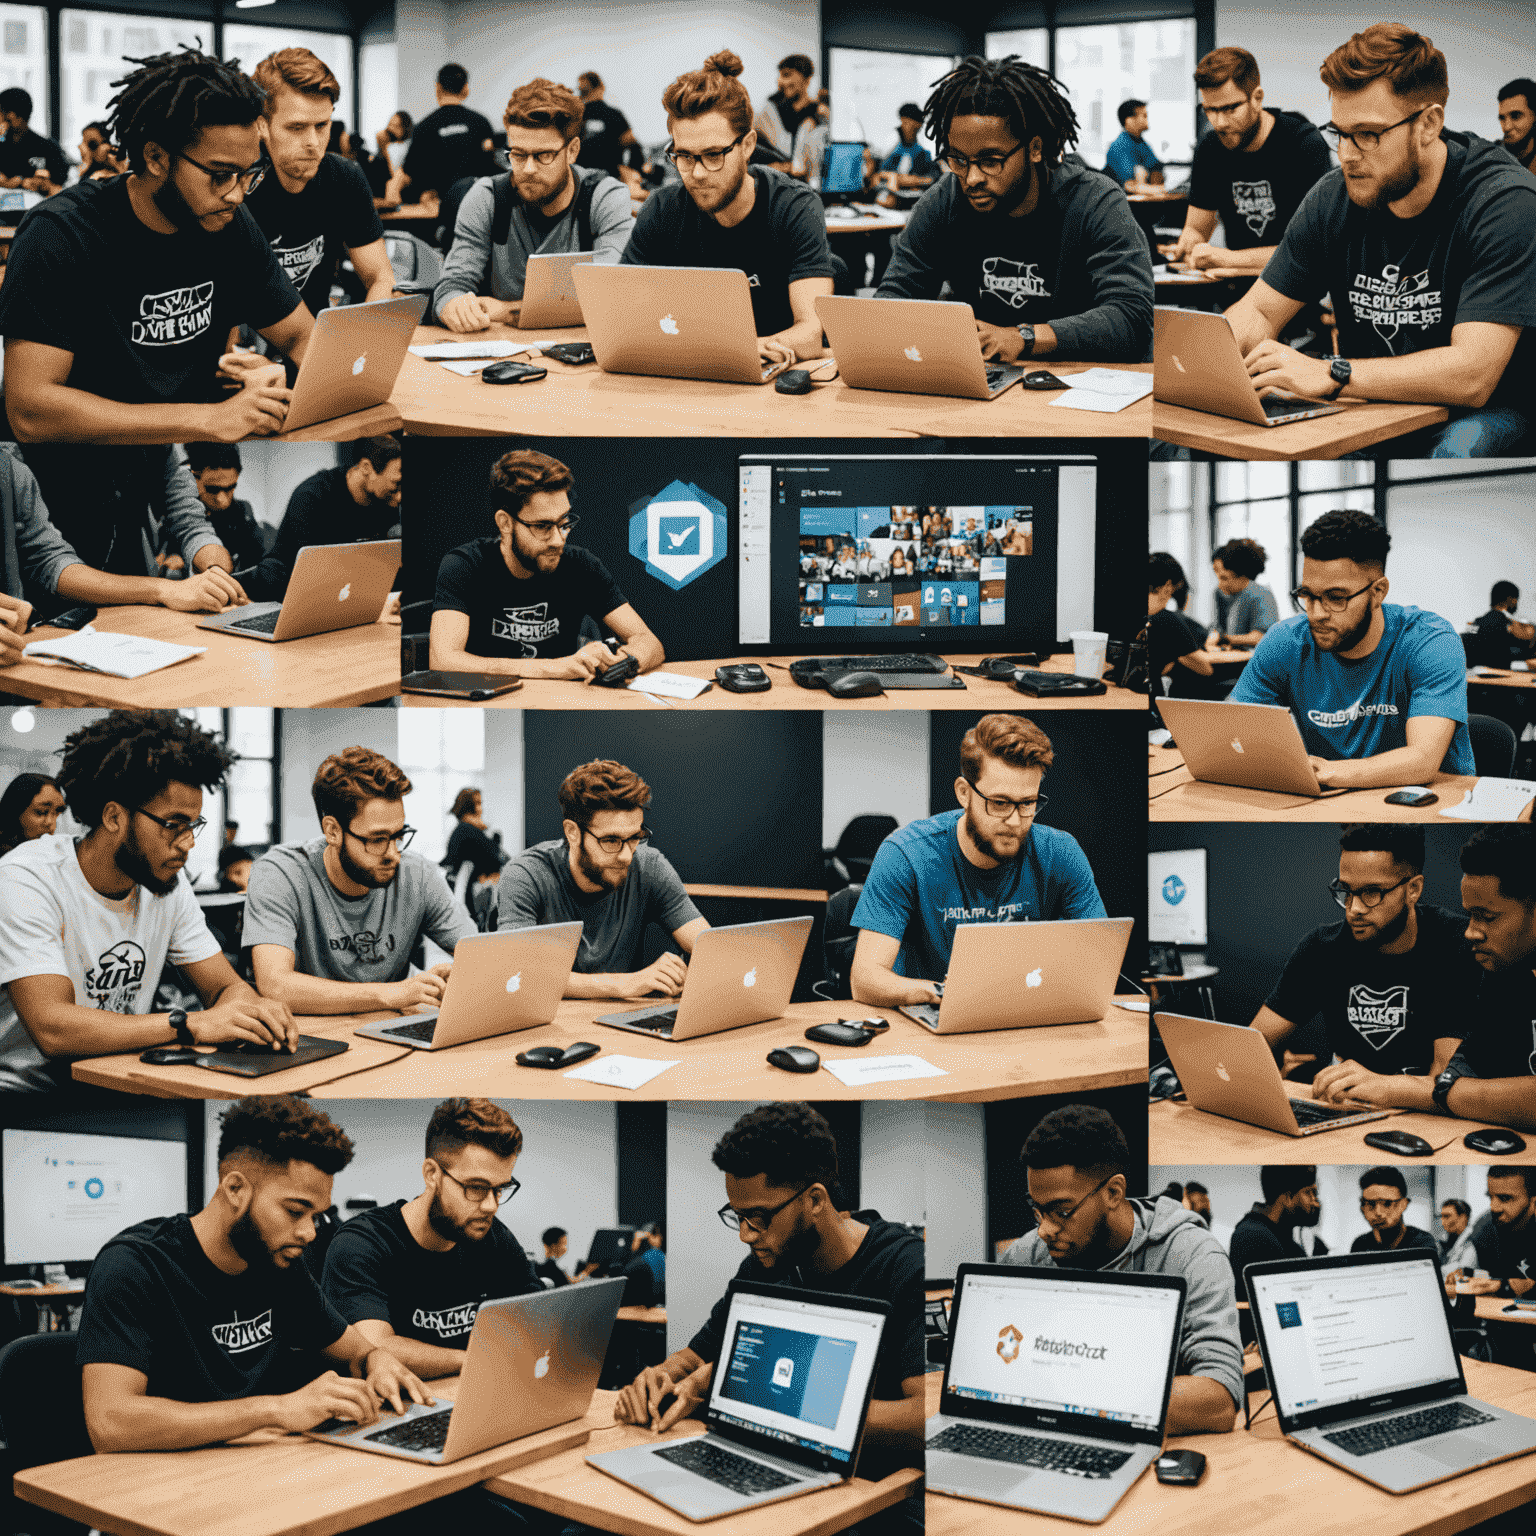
(547, 529)
(1383, 1205)
(223, 181)
(1332, 602)
(989, 162)
(1061, 1218)
(510, 159)
(1005, 810)
(1368, 896)
(612, 845)
(377, 842)
(758, 1220)
(477, 1190)
(710, 159)
(1364, 139)
(1232, 107)
(177, 826)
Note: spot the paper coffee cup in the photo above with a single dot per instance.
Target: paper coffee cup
(1088, 651)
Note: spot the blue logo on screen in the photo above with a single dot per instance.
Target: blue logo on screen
(678, 534)
(94, 1189)
(1289, 1313)
(1174, 890)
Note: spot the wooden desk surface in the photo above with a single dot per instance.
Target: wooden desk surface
(759, 893)
(1490, 1309)
(407, 212)
(377, 421)
(334, 671)
(42, 1292)
(1258, 1484)
(888, 222)
(995, 1064)
(1501, 679)
(565, 1486)
(642, 1315)
(1324, 437)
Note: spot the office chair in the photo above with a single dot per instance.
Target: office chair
(838, 941)
(415, 636)
(417, 267)
(1493, 746)
(42, 1419)
(855, 850)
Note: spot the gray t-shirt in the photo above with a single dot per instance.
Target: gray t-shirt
(537, 888)
(367, 938)
(1252, 608)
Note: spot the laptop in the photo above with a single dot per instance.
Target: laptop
(500, 982)
(786, 1411)
(912, 346)
(353, 359)
(549, 296)
(1253, 746)
(739, 975)
(1196, 362)
(333, 586)
(610, 1249)
(1055, 1393)
(1228, 1070)
(533, 1362)
(1068, 973)
(672, 322)
(1364, 1369)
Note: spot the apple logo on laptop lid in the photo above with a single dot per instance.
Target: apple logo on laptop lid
(359, 365)
(668, 325)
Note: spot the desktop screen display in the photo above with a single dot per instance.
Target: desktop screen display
(1176, 896)
(842, 168)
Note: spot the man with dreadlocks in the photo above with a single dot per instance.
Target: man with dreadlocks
(119, 294)
(87, 924)
(1044, 250)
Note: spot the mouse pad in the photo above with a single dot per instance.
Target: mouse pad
(258, 1061)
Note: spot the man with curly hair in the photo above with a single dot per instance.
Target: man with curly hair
(191, 1323)
(87, 924)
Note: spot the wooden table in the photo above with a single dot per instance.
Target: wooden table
(1489, 677)
(45, 1297)
(654, 1315)
(995, 1064)
(565, 1486)
(1490, 1309)
(868, 224)
(1324, 437)
(333, 671)
(376, 421)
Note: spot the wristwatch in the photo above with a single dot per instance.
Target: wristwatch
(1339, 371)
(184, 1034)
(1455, 1069)
(1028, 333)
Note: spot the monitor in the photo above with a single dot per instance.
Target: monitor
(1176, 896)
(842, 169)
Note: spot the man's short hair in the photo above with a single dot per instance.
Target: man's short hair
(1010, 738)
(552, 1235)
(1163, 568)
(1080, 1136)
(1502, 592)
(460, 1123)
(1276, 1179)
(1387, 1176)
(276, 1129)
(171, 97)
(544, 104)
(346, 779)
(1506, 850)
(788, 1143)
(1192, 1188)
(1522, 1171)
(1223, 64)
(1347, 535)
(523, 473)
(600, 786)
(911, 111)
(129, 756)
(590, 80)
(1407, 60)
(454, 79)
(1524, 86)
(201, 456)
(234, 853)
(379, 451)
(299, 70)
(464, 802)
(1459, 1206)
(799, 62)
(714, 88)
(14, 99)
(1403, 840)
(1243, 557)
(1128, 108)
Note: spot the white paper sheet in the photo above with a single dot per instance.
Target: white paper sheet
(619, 1071)
(128, 656)
(857, 1071)
(668, 685)
(1492, 799)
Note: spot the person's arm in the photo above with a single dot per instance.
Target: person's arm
(1507, 1101)
(612, 221)
(1198, 662)
(425, 1360)
(1350, 1082)
(801, 227)
(916, 269)
(636, 640)
(683, 1376)
(873, 978)
(1429, 739)
(371, 263)
(1199, 226)
(184, 521)
(803, 337)
(290, 336)
(897, 1423)
(461, 301)
(1200, 1405)
(1260, 315)
(1253, 258)
(447, 653)
(686, 936)
(1209, 1385)
(1275, 1028)
(277, 977)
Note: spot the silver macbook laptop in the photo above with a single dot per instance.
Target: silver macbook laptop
(1056, 1389)
(533, 1362)
(673, 322)
(1228, 1070)
(549, 296)
(500, 982)
(912, 346)
(1254, 746)
(333, 586)
(1196, 362)
(1359, 1353)
(786, 1411)
(1015, 975)
(738, 975)
(353, 359)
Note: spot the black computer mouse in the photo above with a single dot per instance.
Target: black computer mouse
(1402, 1143)
(509, 372)
(1412, 796)
(1495, 1142)
(744, 677)
(579, 1051)
(169, 1056)
(794, 381)
(794, 1058)
(546, 1056)
(855, 685)
(1041, 378)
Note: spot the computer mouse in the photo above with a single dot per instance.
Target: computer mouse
(1041, 378)
(744, 677)
(169, 1056)
(579, 1051)
(1412, 794)
(855, 685)
(508, 372)
(1403, 1143)
(794, 381)
(546, 1056)
(1493, 1141)
(794, 1058)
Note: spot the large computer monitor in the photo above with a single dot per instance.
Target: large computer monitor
(955, 553)
(842, 169)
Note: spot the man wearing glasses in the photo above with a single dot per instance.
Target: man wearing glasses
(545, 204)
(1076, 1160)
(411, 1276)
(1045, 251)
(1384, 1203)
(1426, 239)
(603, 873)
(988, 862)
(514, 604)
(87, 925)
(331, 923)
(1378, 690)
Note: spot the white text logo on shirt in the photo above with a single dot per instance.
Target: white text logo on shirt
(1379, 1016)
(1002, 914)
(238, 1337)
(113, 982)
(448, 1322)
(299, 261)
(528, 625)
(174, 316)
(1332, 719)
(1392, 302)
(1015, 282)
(1255, 204)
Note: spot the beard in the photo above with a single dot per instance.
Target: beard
(447, 1228)
(987, 845)
(599, 874)
(360, 873)
(251, 1245)
(549, 197)
(1391, 932)
(1247, 136)
(1392, 188)
(717, 200)
(798, 1248)
(178, 210)
(1310, 1218)
(1347, 639)
(130, 859)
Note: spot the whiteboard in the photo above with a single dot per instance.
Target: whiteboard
(868, 86)
(1176, 897)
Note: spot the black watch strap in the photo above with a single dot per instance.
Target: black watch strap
(178, 1018)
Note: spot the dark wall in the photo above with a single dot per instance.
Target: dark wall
(902, 26)
(642, 1142)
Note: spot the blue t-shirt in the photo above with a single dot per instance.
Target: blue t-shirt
(918, 160)
(921, 887)
(1355, 709)
(1125, 154)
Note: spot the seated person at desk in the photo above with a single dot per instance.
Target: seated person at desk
(469, 843)
(331, 924)
(448, 144)
(1076, 1160)
(88, 924)
(119, 296)
(778, 119)
(98, 155)
(411, 1276)
(1245, 611)
(215, 470)
(28, 160)
(556, 1241)
(1045, 251)
(781, 1189)
(514, 604)
(1267, 1231)
(988, 862)
(235, 865)
(645, 1275)
(723, 212)
(1517, 120)
(1384, 1203)
(189, 1323)
(546, 204)
(29, 808)
(1426, 238)
(1176, 644)
(603, 873)
(1510, 1256)
(1456, 1248)
(909, 167)
(1251, 170)
(1506, 638)
(1378, 690)
(1129, 158)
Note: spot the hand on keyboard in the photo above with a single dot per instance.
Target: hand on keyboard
(665, 975)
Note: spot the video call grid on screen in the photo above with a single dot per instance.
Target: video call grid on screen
(853, 554)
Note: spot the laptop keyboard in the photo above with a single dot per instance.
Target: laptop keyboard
(1310, 1112)
(922, 663)
(661, 1022)
(1273, 405)
(1386, 1434)
(738, 1473)
(259, 623)
(924, 1013)
(413, 1029)
(1030, 1451)
(427, 1433)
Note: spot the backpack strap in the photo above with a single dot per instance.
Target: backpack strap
(504, 199)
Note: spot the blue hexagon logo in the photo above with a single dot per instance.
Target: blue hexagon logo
(1174, 890)
(678, 534)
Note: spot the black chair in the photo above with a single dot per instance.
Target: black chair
(1493, 746)
(855, 851)
(42, 1419)
(839, 938)
(415, 636)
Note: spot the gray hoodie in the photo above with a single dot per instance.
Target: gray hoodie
(1169, 1240)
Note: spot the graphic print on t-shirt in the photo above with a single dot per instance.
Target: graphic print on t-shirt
(1014, 282)
(447, 1322)
(174, 316)
(1393, 302)
(527, 626)
(1379, 1017)
(366, 945)
(1332, 719)
(113, 982)
(1255, 204)
(242, 1336)
(299, 261)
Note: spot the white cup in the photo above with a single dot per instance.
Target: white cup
(1089, 647)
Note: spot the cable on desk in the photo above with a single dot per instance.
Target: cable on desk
(1250, 1420)
(405, 1050)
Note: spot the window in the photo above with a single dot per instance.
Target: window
(442, 752)
(95, 49)
(869, 88)
(252, 44)
(1032, 44)
(1152, 61)
(251, 793)
(24, 58)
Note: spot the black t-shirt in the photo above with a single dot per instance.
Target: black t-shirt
(27, 153)
(376, 1270)
(320, 511)
(602, 127)
(540, 616)
(446, 146)
(1496, 647)
(1384, 1011)
(1412, 1238)
(783, 239)
(1501, 1037)
(239, 533)
(1257, 1240)
(470, 843)
(146, 315)
(312, 229)
(547, 1269)
(158, 1304)
(1507, 1254)
(1169, 636)
(1257, 192)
